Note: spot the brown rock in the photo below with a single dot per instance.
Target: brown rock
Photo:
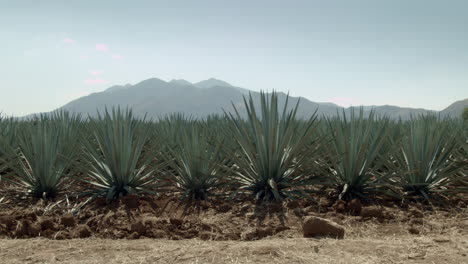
(176, 221)
(354, 207)
(318, 227)
(441, 239)
(81, 231)
(372, 211)
(68, 220)
(340, 206)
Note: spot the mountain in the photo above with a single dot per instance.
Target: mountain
(212, 82)
(157, 98)
(181, 82)
(455, 109)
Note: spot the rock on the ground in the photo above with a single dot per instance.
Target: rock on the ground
(318, 227)
(372, 211)
(354, 207)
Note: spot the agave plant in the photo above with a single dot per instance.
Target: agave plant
(426, 161)
(45, 151)
(195, 162)
(7, 135)
(273, 148)
(357, 154)
(115, 158)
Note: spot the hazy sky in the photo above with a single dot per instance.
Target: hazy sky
(402, 52)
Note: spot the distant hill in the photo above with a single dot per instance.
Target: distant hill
(455, 109)
(157, 98)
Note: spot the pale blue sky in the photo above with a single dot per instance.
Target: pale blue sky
(403, 52)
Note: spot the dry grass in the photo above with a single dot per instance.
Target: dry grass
(402, 249)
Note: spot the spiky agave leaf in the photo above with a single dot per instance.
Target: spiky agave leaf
(426, 161)
(115, 159)
(196, 162)
(272, 149)
(357, 152)
(45, 152)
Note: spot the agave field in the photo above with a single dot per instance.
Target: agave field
(264, 154)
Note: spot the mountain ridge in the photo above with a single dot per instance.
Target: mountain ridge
(156, 98)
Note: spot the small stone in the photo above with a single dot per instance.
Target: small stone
(441, 240)
(176, 221)
(340, 206)
(371, 211)
(318, 227)
(354, 207)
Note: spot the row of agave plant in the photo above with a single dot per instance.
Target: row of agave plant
(266, 152)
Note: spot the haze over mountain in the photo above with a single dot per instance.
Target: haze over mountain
(157, 98)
